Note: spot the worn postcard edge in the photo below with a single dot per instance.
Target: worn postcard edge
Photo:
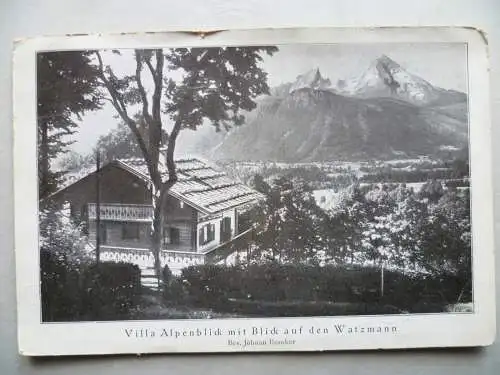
(412, 331)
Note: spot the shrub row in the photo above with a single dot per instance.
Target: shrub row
(214, 285)
(104, 291)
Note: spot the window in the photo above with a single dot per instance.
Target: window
(175, 237)
(171, 236)
(130, 231)
(206, 234)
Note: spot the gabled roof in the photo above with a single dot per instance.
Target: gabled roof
(200, 185)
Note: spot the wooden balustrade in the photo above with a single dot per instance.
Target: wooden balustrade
(121, 212)
(176, 260)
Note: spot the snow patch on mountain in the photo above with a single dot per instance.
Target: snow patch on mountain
(386, 78)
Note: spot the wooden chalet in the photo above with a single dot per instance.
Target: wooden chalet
(200, 213)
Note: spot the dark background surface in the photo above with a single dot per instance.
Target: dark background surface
(22, 18)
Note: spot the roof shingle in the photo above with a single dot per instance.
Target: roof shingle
(200, 185)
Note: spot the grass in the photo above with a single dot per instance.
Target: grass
(154, 307)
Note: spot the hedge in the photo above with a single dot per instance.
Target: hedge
(104, 291)
(215, 285)
(111, 290)
(59, 288)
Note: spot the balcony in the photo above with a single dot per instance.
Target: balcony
(121, 212)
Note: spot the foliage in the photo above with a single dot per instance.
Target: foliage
(73, 286)
(455, 169)
(111, 290)
(288, 230)
(166, 276)
(59, 288)
(119, 143)
(446, 245)
(73, 161)
(391, 227)
(67, 88)
(73, 292)
(271, 289)
(343, 229)
(60, 235)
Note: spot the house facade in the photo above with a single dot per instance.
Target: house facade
(200, 213)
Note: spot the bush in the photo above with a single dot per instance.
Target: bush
(106, 291)
(111, 290)
(60, 289)
(166, 276)
(173, 290)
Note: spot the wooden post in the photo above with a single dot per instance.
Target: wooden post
(97, 209)
(382, 279)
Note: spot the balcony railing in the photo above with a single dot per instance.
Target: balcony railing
(121, 212)
(176, 260)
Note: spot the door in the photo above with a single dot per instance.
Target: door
(225, 229)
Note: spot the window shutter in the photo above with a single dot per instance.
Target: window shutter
(200, 236)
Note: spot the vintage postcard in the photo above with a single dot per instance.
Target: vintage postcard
(253, 190)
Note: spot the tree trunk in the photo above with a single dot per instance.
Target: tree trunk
(156, 232)
(43, 159)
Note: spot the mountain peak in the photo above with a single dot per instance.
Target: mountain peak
(311, 79)
(384, 77)
(387, 62)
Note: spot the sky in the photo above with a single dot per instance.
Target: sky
(443, 65)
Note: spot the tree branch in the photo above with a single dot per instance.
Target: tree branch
(155, 125)
(158, 79)
(142, 91)
(151, 68)
(119, 104)
(170, 162)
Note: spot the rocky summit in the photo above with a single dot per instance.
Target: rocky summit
(383, 113)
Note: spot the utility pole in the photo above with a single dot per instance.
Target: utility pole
(98, 208)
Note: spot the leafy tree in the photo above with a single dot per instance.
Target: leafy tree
(344, 226)
(72, 161)
(446, 245)
(67, 88)
(291, 226)
(216, 84)
(60, 235)
(432, 190)
(120, 143)
(407, 231)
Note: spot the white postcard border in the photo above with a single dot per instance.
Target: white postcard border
(398, 331)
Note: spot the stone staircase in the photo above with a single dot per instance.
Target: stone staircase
(148, 278)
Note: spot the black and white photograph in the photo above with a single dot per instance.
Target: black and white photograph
(254, 181)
